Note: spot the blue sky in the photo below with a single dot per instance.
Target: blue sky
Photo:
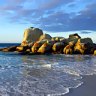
(56, 17)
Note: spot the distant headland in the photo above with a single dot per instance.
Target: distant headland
(36, 42)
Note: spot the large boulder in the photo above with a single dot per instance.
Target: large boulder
(67, 50)
(45, 48)
(37, 45)
(74, 40)
(45, 36)
(84, 46)
(79, 48)
(58, 47)
(85, 40)
(31, 35)
(74, 36)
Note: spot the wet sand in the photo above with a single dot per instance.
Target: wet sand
(88, 88)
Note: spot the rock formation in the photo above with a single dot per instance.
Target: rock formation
(35, 42)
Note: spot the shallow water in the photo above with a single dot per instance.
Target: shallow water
(42, 75)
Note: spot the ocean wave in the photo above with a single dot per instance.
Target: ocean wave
(43, 75)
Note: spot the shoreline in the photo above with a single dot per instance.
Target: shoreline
(88, 88)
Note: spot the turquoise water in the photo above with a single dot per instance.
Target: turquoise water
(43, 75)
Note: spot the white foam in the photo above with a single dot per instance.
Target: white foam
(44, 75)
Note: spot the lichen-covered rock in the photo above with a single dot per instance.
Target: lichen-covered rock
(45, 48)
(24, 43)
(58, 46)
(81, 48)
(45, 36)
(68, 50)
(31, 35)
(35, 47)
(72, 44)
(94, 52)
(20, 48)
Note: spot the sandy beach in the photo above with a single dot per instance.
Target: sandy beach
(88, 88)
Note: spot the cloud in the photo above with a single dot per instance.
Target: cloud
(23, 12)
(10, 8)
(49, 4)
(85, 32)
(52, 15)
(83, 20)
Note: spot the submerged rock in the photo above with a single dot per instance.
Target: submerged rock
(9, 49)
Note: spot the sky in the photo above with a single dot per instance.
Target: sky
(56, 17)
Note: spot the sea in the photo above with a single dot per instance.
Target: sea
(42, 75)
